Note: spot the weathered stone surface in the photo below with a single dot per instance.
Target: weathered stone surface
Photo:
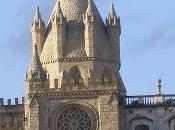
(73, 82)
(12, 117)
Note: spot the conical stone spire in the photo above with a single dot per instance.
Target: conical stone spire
(37, 14)
(112, 13)
(58, 10)
(112, 17)
(91, 12)
(38, 23)
(35, 70)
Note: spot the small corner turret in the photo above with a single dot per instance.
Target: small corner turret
(38, 30)
(114, 31)
(58, 16)
(91, 30)
(90, 16)
(59, 22)
(35, 71)
(112, 18)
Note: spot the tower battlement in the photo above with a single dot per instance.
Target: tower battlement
(12, 114)
(10, 102)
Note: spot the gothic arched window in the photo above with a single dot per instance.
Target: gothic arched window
(142, 127)
(75, 75)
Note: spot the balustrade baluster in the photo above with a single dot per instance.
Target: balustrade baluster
(146, 100)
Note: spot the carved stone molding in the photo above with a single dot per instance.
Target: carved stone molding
(79, 59)
(73, 94)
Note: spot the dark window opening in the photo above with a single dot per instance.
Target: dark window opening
(56, 83)
(75, 75)
(142, 127)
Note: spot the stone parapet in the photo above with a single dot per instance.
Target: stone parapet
(12, 114)
(11, 102)
(150, 100)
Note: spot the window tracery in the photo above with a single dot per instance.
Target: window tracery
(75, 117)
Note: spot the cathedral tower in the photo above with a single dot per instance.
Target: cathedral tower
(73, 81)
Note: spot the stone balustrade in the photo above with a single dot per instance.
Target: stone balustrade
(150, 100)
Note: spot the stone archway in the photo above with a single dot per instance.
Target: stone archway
(141, 123)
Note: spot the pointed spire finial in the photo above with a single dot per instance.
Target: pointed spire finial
(58, 4)
(37, 21)
(90, 6)
(37, 8)
(112, 5)
(112, 18)
(58, 11)
(37, 14)
(112, 13)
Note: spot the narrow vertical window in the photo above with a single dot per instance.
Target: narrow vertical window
(56, 83)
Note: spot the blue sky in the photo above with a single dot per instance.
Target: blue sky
(147, 43)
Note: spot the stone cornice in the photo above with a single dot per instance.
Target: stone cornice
(79, 59)
(73, 94)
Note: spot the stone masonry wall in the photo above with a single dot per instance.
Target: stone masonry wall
(157, 118)
(11, 115)
(49, 108)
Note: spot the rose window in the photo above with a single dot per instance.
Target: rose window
(75, 118)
